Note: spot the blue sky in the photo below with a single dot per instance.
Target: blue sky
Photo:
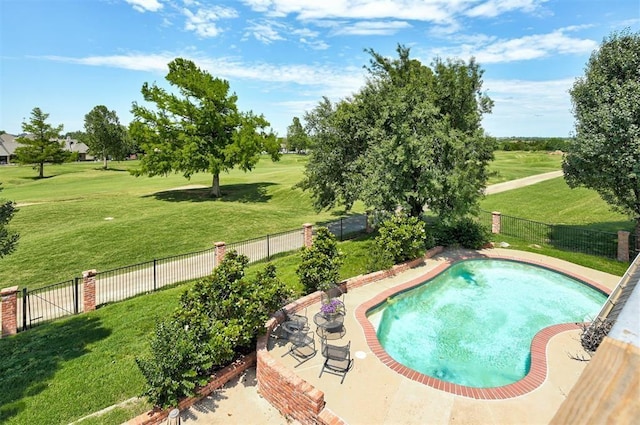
(282, 56)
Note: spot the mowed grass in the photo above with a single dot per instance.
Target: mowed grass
(62, 371)
(553, 202)
(81, 217)
(514, 165)
(85, 218)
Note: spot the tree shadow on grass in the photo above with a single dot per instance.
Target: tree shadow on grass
(29, 360)
(245, 193)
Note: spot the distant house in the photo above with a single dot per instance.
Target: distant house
(8, 147)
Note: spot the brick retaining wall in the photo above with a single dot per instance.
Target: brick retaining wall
(293, 396)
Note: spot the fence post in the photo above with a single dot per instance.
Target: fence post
(268, 251)
(89, 288)
(155, 286)
(25, 307)
(623, 245)
(341, 235)
(495, 222)
(9, 311)
(76, 296)
(219, 253)
(308, 234)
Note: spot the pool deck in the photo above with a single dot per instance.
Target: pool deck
(373, 393)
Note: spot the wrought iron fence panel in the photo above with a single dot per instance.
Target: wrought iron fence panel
(183, 267)
(347, 227)
(125, 282)
(264, 248)
(48, 303)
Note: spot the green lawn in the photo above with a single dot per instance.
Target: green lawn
(66, 228)
(81, 217)
(62, 371)
(553, 202)
(514, 165)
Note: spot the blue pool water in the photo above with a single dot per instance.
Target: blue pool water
(473, 324)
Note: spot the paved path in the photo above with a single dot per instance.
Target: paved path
(525, 181)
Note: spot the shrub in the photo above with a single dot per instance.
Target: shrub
(174, 368)
(465, 232)
(400, 238)
(320, 266)
(219, 316)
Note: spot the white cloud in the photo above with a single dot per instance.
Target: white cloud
(319, 80)
(372, 28)
(203, 21)
(145, 5)
(424, 10)
(525, 107)
(493, 50)
(266, 31)
(493, 8)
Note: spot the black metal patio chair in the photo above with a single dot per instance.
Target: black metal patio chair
(337, 359)
(302, 346)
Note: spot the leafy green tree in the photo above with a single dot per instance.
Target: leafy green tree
(605, 154)
(8, 239)
(320, 266)
(104, 135)
(297, 139)
(410, 138)
(41, 144)
(199, 129)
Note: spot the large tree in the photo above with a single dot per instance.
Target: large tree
(40, 145)
(605, 153)
(197, 129)
(410, 138)
(8, 239)
(104, 135)
(297, 139)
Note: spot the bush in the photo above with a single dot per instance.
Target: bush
(219, 316)
(175, 366)
(465, 232)
(320, 266)
(400, 238)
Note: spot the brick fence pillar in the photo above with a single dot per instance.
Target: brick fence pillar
(308, 234)
(368, 227)
(89, 290)
(9, 311)
(221, 248)
(623, 245)
(495, 222)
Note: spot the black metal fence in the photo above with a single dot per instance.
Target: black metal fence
(65, 298)
(49, 303)
(561, 236)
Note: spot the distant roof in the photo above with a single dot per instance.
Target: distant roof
(8, 144)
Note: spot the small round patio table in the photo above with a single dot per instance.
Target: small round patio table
(330, 326)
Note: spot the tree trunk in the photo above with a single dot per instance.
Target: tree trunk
(215, 187)
(104, 155)
(41, 170)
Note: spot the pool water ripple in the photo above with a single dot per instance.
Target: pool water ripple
(473, 324)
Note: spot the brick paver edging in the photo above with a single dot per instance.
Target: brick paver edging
(291, 395)
(158, 416)
(538, 370)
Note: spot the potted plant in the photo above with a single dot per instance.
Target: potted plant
(331, 308)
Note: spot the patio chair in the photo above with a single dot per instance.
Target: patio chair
(302, 346)
(337, 359)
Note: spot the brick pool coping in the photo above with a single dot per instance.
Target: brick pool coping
(538, 370)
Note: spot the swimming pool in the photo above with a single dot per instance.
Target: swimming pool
(473, 324)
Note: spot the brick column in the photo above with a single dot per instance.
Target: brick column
(89, 290)
(623, 245)
(495, 222)
(9, 311)
(221, 248)
(368, 227)
(308, 234)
